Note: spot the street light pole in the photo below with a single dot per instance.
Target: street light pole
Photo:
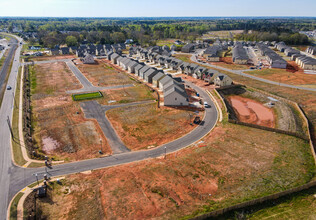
(100, 146)
(165, 152)
(37, 179)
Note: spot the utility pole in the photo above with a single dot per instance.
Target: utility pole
(165, 152)
(37, 179)
(100, 146)
(9, 124)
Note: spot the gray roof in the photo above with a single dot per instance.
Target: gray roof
(177, 89)
(165, 80)
(158, 76)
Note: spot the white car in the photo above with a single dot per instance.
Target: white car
(206, 105)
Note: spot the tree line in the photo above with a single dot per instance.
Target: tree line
(146, 31)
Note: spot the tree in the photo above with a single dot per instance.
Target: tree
(71, 41)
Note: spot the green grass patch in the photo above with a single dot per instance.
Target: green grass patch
(14, 206)
(16, 145)
(85, 96)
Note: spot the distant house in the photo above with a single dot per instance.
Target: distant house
(182, 67)
(54, 52)
(131, 66)
(311, 50)
(137, 68)
(188, 48)
(64, 50)
(114, 58)
(223, 80)
(73, 49)
(210, 75)
(88, 59)
(141, 72)
(198, 73)
(240, 55)
(34, 47)
(156, 79)
(149, 75)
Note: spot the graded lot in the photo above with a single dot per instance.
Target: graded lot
(60, 129)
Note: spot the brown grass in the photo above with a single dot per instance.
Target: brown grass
(60, 127)
(102, 74)
(234, 164)
(146, 125)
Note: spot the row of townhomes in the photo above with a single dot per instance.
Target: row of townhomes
(173, 88)
(240, 55)
(305, 62)
(274, 59)
(173, 64)
(311, 50)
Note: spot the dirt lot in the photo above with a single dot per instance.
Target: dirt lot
(252, 112)
(234, 164)
(293, 75)
(147, 125)
(103, 74)
(138, 92)
(59, 57)
(61, 131)
(227, 62)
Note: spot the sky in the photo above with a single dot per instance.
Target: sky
(157, 8)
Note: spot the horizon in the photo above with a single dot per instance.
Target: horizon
(161, 9)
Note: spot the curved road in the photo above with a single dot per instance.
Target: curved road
(13, 178)
(241, 73)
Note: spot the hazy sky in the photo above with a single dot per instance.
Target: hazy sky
(156, 8)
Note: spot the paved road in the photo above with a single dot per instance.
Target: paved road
(6, 165)
(13, 178)
(22, 177)
(6, 64)
(92, 109)
(242, 73)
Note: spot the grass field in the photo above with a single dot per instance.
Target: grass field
(147, 125)
(60, 129)
(301, 205)
(233, 164)
(138, 92)
(102, 74)
(16, 143)
(14, 205)
(85, 96)
(183, 57)
(285, 76)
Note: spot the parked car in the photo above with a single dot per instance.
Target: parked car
(197, 120)
(206, 105)
(9, 87)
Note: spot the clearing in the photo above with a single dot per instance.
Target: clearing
(234, 164)
(60, 128)
(102, 74)
(147, 125)
(292, 76)
(253, 112)
(44, 58)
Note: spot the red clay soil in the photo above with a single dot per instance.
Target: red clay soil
(252, 112)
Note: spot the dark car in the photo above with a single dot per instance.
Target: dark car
(197, 120)
(9, 87)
